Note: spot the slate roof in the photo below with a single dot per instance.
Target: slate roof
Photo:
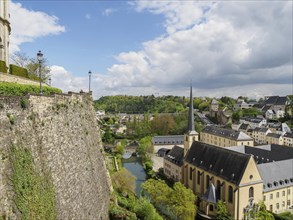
(227, 133)
(252, 119)
(274, 135)
(276, 100)
(175, 155)
(288, 135)
(210, 195)
(276, 174)
(266, 153)
(243, 126)
(168, 140)
(227, 164)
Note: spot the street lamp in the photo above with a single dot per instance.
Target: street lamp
(90, 74)
(40, 59)
(50, 81)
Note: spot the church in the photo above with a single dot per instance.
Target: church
(4, 31)
(240, 176)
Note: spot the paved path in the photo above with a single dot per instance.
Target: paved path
(157, 162)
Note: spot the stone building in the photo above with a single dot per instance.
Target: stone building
(222, 137)
(240, 176)
(4, 31)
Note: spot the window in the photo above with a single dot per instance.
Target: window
(264, 198)
(230, 195)
(218, 189)
(283, 204)
(198, 177)
(277, 206)
(277, 195)
(190, 173)
(271, 208)
(211, 208)
(283, 193)
(251, 192)
(271, 196)
(288, 191)
(288, 202)
(207, 181)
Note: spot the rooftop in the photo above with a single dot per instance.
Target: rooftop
(175, 155)
(169, 140)
(227, 133)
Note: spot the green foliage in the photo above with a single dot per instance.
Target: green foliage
(18, 71)
(117, 213)
(145, 210)
(175, 203)
(14, 89)
(34, 192)
(262, 213)
(222, 213)
(145, 145)
(3, 67)
(24, 103)
(124, 181)
(252, 112)
(140, 104)
(204, 106)
(11, 118)
(283, 216)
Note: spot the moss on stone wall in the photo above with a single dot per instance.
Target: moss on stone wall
(34, 192)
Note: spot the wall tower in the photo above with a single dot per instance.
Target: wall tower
(4, 31)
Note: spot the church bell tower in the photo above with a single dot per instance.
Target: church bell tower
(191, 135)
(4, 31)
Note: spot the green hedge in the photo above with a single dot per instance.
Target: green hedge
(14, 89)
(18, 71)
(3, 67)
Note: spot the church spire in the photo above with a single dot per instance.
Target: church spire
(191, 129)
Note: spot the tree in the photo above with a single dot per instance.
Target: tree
(175, 203)
(222, 213)
(124, 181)
(263, 213)
(182, 201)
(32, 65)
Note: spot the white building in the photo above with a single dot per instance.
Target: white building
(4, 31)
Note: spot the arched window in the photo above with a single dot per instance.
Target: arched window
(218, 189)
(251, 192)
(230, 194)
(198, 177)
(207, 181)
(190, 173)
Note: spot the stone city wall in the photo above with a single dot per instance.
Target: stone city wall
(62, 133)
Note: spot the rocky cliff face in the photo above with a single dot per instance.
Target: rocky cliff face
(62, 133)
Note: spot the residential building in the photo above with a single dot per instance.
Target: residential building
(173, 162)
(223, 137)
(274, 106)
(254, 122)
(241, 104)
(214, 107)
(273, 138)
(288, 139)
(4, 31)
(260, 135)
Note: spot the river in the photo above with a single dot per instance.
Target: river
(133, 165)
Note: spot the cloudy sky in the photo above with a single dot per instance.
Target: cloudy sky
(227, 48)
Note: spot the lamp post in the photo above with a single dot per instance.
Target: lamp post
(90, 74)
(40, 59)
(50, 81)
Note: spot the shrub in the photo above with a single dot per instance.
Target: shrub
(13, 89)
(18, 71)
(23, 103)
(3, 67)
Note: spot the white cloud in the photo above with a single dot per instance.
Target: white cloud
(108, 11)
(88, 16)
(27, 25)
(66, 81)
(225, 47)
